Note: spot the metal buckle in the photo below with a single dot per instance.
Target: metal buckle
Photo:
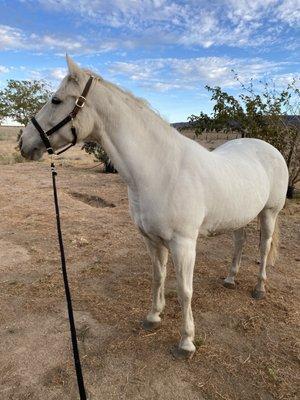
(81, 98)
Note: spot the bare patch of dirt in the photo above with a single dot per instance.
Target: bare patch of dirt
(11, 255)
(245, 349)
(91, 200)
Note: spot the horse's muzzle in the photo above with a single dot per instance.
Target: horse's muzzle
(34, 153)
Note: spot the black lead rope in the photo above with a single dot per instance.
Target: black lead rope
(79, 103)
(68, 292)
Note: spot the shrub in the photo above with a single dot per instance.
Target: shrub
(100, 155)
(264, 113)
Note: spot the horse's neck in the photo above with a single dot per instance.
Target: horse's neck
(137, 140)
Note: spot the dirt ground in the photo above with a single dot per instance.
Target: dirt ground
(246, 349)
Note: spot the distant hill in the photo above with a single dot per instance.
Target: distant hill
(289, 120)
(293, 120)
(181, 125)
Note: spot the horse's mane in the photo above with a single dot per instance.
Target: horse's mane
(139, 101)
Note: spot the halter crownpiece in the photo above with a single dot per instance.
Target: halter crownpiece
(79, 104)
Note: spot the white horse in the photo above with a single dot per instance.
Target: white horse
(176, 188)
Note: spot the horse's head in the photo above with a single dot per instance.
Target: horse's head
(56, 110)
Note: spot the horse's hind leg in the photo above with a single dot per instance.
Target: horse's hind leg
(267, 225)
(239, 240)
(159, 256)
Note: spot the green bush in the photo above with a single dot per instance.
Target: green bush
(100, 155)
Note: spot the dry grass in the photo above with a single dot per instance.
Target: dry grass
(9, 154)
(9, 133)
(10, 157)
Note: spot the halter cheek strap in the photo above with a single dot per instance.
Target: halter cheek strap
(79, 104)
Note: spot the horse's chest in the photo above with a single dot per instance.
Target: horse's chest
(150, 216)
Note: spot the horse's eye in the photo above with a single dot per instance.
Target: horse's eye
(56, 100)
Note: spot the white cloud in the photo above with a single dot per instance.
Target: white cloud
(187, 74)
(164, 87)
(3, 69)
(58, 73)
(10, 38)
(289, 12)
(282, 80)
(117, 13)
(236, 23)
(16, 39)
(51, 76)
(245, 10)
(53, 43)
(172, 73)
(148, 23)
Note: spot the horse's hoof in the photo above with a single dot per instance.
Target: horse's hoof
(229, 285)
(181, 354)
(258, 294)
(150, 326)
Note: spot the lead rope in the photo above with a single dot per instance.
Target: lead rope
(77, 362)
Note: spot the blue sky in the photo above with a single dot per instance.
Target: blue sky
(165, 51)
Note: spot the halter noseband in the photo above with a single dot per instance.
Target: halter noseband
(79, 103)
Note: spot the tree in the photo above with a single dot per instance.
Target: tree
(2, 112)
(267, 114)
(20, 100)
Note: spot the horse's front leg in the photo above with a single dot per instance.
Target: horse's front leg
(159, 257)
(183, 253)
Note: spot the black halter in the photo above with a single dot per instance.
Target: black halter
(79, 103)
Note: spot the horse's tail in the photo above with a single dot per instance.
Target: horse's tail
(273, 253)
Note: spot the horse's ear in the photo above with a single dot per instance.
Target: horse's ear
(74, 70)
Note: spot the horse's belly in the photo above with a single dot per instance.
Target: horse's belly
(217, 226)
(230, 215)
